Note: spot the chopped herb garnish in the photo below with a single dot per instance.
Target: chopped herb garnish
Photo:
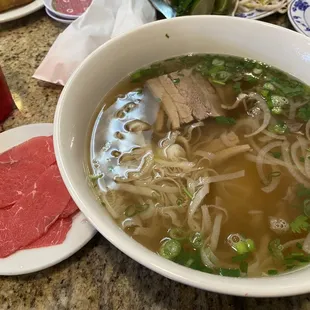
(302, 191)
(299, 245)
(239, 258)
(275, 248)
(177, 233)
(180, 202)
(302, 159)
(276, 154)
(187, 193)
(170, 249)
(237, 88)
(304, 112)
(244, 267)
(223, 120)
(272, 272)
(307, 207)
(176, 81)
(229, 272)
(196, 240)
(95, 177)
(167, 35)
(280, 128)
(300, 224)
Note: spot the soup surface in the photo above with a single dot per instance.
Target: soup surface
(205, 160)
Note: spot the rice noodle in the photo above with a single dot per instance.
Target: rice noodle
(190, 129)
(207, 155)
(296, 159)
(165, 189)
(206, 224)
(216, 232)
(226, 177)
(270, 135)
(131, 222)
(228, 153)
(274, 182)
(260, 159)
(294, 173)
(138, 190)
(181, 164)
(239, 99)
(261, 103)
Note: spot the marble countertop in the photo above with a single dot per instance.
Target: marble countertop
(99, 276)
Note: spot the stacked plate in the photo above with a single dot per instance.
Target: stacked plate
(66, 11)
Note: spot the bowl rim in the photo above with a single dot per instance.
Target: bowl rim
(249, 287)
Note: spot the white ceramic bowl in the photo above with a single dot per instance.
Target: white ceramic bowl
(111, 62)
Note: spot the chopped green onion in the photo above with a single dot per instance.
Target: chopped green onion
(177, 233)
(251, 245)
(240, 257)
(244, 267)
(275, 248)
(241, 247)
(257, 71)
(218, 62)
(220, 77)
(269, 86)
(302, 191)
(237, 87)
(218, 82)
(187, 193)
(230, 272)
(196, 240)
(180, 202)
(279, 101)
(176, 81)
(279, 129)
(307, 207)
(276, 110)
(302, 159)
(299, 245)
(272, 272)
(189, 262)
(95, 177)
(223, 120)
(304, 113)
(139, 91)
(276, 154)
(132, 210)
(170, 249)
(265, 94)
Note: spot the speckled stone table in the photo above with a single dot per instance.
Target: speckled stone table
(99, 276)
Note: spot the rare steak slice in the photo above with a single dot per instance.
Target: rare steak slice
(55, 235)
(70, 209)
(33, 214)
(21, 166)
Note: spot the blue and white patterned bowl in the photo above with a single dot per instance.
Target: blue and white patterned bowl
(255, 14)
(299, 15)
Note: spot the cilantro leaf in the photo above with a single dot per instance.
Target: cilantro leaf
(304, 112)
(223, 120)
(299, 224)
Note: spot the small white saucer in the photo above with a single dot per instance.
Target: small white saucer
(27, 261)
(57, 18)
(299, 15)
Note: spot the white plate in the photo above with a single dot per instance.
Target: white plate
(299, 15)
(27, 261)
(21, 11)
(256, 14)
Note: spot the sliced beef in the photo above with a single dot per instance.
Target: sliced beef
(21, 166)
(70, 209)
(34, 213)
(56, 234)
(186, 96)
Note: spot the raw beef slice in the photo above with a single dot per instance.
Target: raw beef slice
(56, 234)
(21, 166)
(34, 213)
(70, 209)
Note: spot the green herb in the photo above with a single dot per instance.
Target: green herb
(170, 249)
(300, 224)
(272, 272)
(275, 248)
(177, 233)
(277, 110)
(237, 88)
(239, 258)
(307, 207)
(244, 267)
(229, 272)
(276, 154)
(111, 168)
(218, 62)
(139, 91)
(167, 35)
(176, 81)
(251, 245)
(180, 202)
(302, 159)
(223, 120)
(302, 191)
(132, 210)
(95, 177)
(241, 247)
(279, 101)
(187, 193)
(304, 112)
(299, 245)
(280, 128)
